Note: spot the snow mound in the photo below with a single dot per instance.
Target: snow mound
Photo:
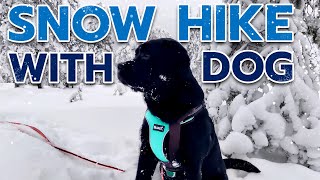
(236, 143)
(308, 137)
(243, 120)
(275, 171)
(32, 158)
(236, 103)
(224, 127)
(288, 145)
(259, 138)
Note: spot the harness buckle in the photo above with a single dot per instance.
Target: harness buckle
(170, 169)
(170, 172)
(175, 164)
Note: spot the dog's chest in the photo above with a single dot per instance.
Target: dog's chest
(158, 131)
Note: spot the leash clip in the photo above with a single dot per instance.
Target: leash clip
(168, 173)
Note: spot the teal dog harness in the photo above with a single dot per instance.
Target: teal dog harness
(158, 130)
(157, 133)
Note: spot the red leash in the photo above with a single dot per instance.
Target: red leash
(61, 149)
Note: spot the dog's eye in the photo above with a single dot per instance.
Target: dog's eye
(145, 56)
(137, 51)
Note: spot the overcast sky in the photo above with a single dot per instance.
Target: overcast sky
(166, 15)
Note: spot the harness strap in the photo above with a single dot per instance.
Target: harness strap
(158, 130)
(174, 136)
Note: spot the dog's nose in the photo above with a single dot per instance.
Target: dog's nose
(120, 66)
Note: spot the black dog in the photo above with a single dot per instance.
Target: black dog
(160, 70)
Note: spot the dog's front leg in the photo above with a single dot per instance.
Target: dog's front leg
(193, 171)
(147, 160)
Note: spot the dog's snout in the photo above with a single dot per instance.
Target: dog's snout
(120, 66)
(125, 65)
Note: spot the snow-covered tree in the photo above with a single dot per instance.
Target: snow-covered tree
(157, 33)
(194, 48)
(311, 14)
(270, 118)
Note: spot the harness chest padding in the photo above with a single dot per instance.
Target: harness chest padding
(157, 133)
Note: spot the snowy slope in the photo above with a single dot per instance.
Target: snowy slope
(102, 127)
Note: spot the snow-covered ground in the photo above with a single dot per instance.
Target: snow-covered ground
(102, 127)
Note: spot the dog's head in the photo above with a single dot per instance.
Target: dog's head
(156, 62)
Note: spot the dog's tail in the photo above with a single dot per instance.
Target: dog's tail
(241, 165)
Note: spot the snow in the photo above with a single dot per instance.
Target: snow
(236, 103)
(288, 145)
(216, 97)
(102, 127)
(273, 123)
(25, 154)
(314, 153)
(243, 120)
(224, 127)
(236, 143)
(272, 171)
(308, 137)
(96, 128)
(259, 138)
